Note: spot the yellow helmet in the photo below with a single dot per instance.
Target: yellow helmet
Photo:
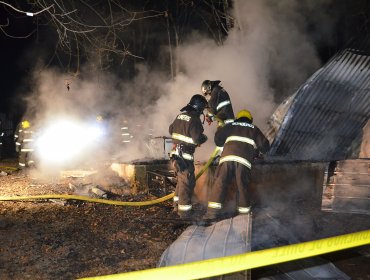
(26, 124)
(245, 114)
(99, 118)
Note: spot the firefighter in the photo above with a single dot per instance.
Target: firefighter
(23, 138)
(126, 135)
(187, 134)
(219, 103)
(242, 142)
(1, 140)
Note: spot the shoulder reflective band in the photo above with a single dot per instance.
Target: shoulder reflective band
(228, 121)
(250, 260)
(214, 205)
(186, 207)
(242, 139)
(222, 104)
(183, 138)
(237, 159)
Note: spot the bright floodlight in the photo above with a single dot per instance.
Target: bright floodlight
(66, 141)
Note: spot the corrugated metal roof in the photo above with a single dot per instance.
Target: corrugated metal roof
(328, 112)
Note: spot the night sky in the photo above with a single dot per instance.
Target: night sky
(12, 68)
(16, 62)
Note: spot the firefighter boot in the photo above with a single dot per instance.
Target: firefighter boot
(186, 215)
(175, 207)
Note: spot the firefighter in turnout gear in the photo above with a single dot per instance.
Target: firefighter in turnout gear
(242, 142)
(219, 103)
(187, 134)
(1, 139)
(23, 138)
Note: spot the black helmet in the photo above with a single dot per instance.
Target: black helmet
(208, 85)
(197, 103)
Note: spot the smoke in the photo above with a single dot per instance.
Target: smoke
(265, 57)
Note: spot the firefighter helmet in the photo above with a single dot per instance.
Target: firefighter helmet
(25, 124)
(207, 86)
(198, 102)
(245, 114)
(99, 118)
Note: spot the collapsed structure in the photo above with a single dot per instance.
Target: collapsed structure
(319, 146)
(320, 139)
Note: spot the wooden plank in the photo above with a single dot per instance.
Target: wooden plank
(352, 179)
(349, 191)
(351, 205)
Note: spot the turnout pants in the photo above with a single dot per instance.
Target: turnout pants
(25, 159)
(226, 173)
(185, 188)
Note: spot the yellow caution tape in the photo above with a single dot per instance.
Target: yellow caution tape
(85, 198)
(230, 264)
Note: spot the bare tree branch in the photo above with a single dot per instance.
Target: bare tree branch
(101, 31)
(24, 12)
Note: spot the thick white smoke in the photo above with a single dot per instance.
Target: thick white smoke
(269, 42)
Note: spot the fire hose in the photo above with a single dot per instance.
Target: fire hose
(107, 201)
(209, 162)
(85, 198)
(8, 167)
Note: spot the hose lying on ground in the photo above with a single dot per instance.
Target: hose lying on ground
(107, 201)
(85, 198)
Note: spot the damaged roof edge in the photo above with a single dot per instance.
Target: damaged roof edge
(323, 120)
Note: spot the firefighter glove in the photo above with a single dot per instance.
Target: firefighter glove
(209, 119)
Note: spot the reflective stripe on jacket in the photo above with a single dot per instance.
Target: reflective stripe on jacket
(241, 141)
(220, 105)
(187, 129)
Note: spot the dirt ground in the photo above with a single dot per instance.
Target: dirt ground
(56, 239)
(46, 239)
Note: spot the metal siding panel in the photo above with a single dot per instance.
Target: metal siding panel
(330, 108)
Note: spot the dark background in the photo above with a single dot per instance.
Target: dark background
(18, 55)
